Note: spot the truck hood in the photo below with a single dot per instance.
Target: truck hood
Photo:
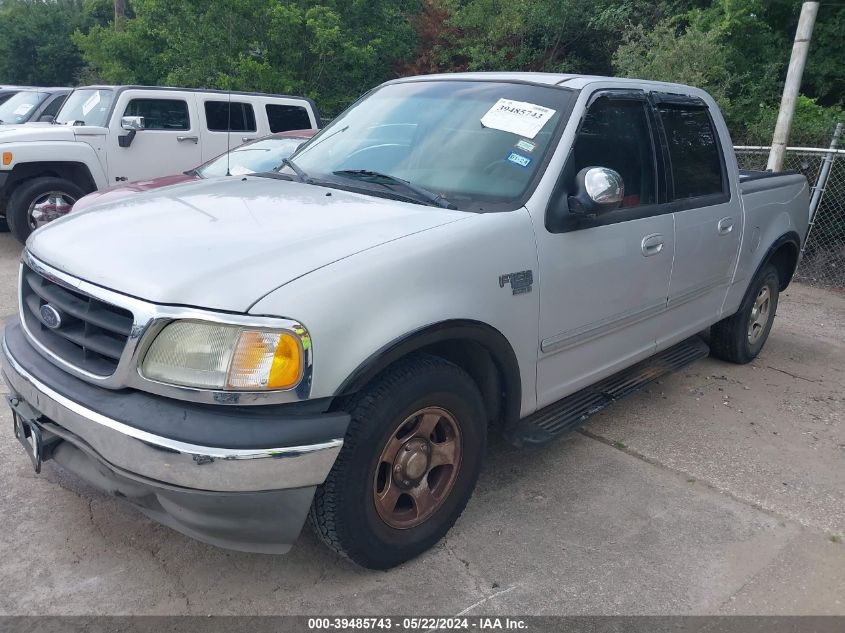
(223, 243)
(45, 132)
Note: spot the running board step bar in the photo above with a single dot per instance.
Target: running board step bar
(573, 411)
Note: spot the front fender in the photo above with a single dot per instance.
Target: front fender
(29, 156)
(363, 305)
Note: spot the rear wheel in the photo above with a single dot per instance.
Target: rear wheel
(408, 466)
(740, 337)
(36, 202)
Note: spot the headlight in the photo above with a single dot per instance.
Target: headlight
(231, 357)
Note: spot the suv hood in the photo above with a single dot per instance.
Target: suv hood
(45, 132)
(223, 243)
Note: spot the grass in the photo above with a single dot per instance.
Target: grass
(618, 444)
(835, 538)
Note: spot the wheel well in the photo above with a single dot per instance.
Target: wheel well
(475, 360)
(77, 173)
(480, 350)
(784, 257)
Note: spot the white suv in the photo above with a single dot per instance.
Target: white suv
(111, 134)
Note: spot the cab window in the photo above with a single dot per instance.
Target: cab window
(615, 133)
(693, 151)
(160, 114)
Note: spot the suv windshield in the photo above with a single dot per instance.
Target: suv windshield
(89, 106)
(479, 144)
(19, 107)
(264, 155)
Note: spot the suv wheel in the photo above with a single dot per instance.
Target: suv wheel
(408, 466)
(740, 337)
(36, 202)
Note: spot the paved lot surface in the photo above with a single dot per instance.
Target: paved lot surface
(719, 490)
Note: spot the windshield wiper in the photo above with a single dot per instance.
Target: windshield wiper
(433, 199)
(303, 177)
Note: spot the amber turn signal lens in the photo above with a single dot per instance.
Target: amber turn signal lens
(7, 158)
(287, 363)
(265, 360)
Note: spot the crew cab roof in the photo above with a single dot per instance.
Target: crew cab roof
(566, 80)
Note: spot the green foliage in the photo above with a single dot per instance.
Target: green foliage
(547, 35)
(35, 47)
(812, 126)
(333, 50)
(691, 56)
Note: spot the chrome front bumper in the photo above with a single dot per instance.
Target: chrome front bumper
(250, 499)
(137, 453)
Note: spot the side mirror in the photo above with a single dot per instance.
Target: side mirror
(597, 190)
(46, 118)
(133, 124)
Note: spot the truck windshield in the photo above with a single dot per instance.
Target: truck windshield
(19, 107)
(89, 106)
(479, 144)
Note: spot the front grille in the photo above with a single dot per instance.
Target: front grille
(90, 335)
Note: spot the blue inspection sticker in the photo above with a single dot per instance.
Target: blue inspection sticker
(519, 159)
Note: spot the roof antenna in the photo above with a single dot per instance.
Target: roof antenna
(229, 131)
(229, 110)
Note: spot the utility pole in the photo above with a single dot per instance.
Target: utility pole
(809, 10)
(119, 14)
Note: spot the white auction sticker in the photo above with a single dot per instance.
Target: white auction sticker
(23, 109)
(91, 103)
(519, 117)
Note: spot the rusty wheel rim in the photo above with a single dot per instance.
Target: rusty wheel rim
(417, 468)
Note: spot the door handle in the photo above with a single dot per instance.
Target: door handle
(244, 139)
(725, 226)
(652, 244)
(182, 139)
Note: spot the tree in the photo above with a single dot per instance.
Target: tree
(331, 50)
(691, 56)
(533, 35)
(35, 44)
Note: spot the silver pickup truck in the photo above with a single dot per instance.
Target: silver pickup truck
(453, 256)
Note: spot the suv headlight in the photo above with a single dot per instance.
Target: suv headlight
(228, 357)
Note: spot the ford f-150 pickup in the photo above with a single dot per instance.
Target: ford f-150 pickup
(454, 255)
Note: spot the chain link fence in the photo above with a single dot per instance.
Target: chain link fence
(823, 263)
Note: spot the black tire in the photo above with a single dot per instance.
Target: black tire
(730, 338)
(4, 226)
(17, 209)
(344, 511)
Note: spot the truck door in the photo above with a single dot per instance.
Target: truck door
(169, 143)
(708, 217)
(603, 280)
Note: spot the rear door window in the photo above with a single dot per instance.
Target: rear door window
(223, 116)
(287, 117)
(160, 114)
(694, 151)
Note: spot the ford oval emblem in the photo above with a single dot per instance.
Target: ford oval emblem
(50, 317)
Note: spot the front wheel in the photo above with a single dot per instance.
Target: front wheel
(36, 202)
(408, 466)
(740, 337)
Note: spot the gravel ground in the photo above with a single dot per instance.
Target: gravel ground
(719, 490)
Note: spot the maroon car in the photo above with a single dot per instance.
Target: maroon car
(264, 154)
